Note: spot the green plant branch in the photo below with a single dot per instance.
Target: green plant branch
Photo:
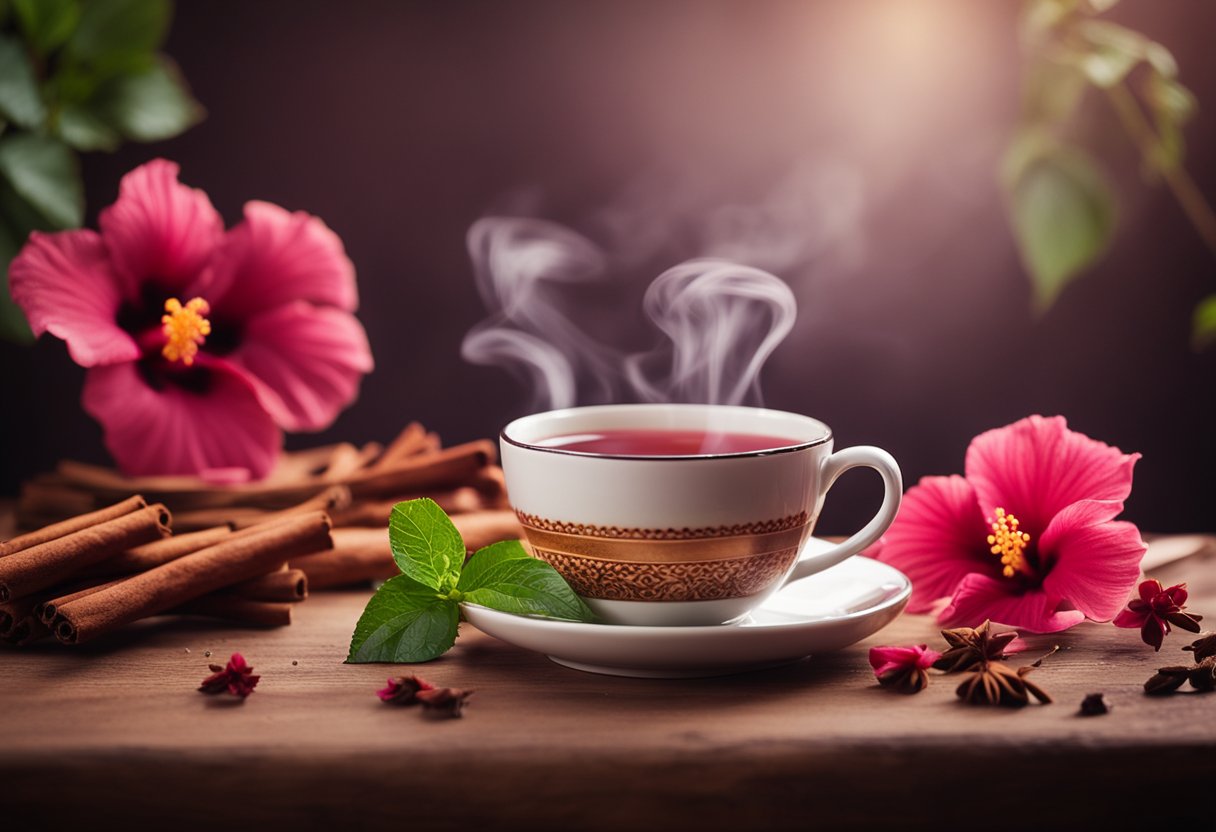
(1179, 181)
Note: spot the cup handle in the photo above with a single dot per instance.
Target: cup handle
(893, 489)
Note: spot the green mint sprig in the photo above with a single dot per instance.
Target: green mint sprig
(414, 616)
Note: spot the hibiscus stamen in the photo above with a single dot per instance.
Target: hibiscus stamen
(185, 329)
(1009, 542)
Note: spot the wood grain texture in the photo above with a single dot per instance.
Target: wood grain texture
(115, 731)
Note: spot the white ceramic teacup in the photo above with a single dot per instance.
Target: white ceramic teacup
(682, 539)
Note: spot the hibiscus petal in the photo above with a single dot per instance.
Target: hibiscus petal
(66, 287)
(937, 539)
(175, 430)
(1130, 619)
(980, 597)
(275, 257)
(1092, 566)
(160, 231)
(1037, 466)
(305, 362)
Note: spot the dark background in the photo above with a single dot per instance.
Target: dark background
(859, 142)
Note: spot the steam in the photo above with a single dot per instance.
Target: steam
(720, 320)
(723, 321)
(518, 263)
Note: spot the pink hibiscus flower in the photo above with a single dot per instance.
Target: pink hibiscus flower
(202, 345)
(1028, 538)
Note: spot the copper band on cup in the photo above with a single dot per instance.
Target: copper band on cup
(624, 564)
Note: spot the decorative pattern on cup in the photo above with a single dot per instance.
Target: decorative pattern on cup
(634, 564)
(705, 581)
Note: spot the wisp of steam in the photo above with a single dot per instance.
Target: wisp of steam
(718, 322)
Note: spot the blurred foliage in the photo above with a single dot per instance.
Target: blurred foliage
(75, 75)
(1060, 205)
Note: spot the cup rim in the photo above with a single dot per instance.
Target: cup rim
(608, 408)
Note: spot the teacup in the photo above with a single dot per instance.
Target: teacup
(675, 514)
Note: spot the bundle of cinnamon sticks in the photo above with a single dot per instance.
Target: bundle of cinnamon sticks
(355, 486)
(84, 577)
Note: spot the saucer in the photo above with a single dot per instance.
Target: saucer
(824, 612)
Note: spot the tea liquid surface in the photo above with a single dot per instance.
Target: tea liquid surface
(659, 442)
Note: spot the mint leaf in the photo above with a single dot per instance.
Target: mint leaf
(46, 24)
(405, 621)
(1062, 210)
(45, 175)
(20, 102)
(109, 33)
(504, 577)
(148, 106)
(426, 546)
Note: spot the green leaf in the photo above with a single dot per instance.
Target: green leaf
(504, 577)
(19, 98)
(47, 24)
(147, 106)
(44, 173)
(1063, 216)
(426, 546)
(405, 621)
(1203, 325)
(81, 128)
(113, 32)
(13, 326)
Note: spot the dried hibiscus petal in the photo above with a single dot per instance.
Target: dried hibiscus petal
(1155, 610)
(237, 678)
(403, 690)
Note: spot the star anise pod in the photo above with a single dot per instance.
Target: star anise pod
(971, 646)
(993, 683)
(1166, 680)
(1203, 675)
(1204, 647)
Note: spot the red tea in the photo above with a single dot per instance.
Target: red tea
(658, 442)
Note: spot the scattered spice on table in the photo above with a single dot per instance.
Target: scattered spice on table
(1155, 610)
(236, 678)
(1094, 704)
(903, 669)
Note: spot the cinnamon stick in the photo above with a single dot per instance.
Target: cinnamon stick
(358, 556)
(12, 612)
(74, 524)
(331, 499)
(239, 610)
(448, 468)
(145, 557)
(284, 585)
(377, 512)
(344, 461)
(49, 563)
(192, 576)
(413, 439)
(48, 608)
(27, 630)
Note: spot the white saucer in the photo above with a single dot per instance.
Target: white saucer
(824, 612)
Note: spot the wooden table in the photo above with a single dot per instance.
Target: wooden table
(114, 735)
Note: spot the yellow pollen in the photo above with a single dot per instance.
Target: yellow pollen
(185, 329)
(1008, 542)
